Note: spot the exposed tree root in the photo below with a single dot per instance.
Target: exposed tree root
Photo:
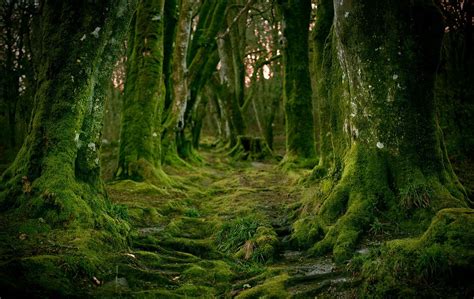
(438, 262)
(348, 207)
(250, 148)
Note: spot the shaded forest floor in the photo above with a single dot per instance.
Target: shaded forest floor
(224, 232)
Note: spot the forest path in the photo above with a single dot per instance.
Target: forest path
(204, 240)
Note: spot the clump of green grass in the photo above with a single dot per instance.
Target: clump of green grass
(235, 233)
(415, 196)
(249, 237)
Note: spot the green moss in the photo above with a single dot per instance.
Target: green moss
(192, 212)
(271, 288)
(46, 271)
(291, 162)
(210, 273)
(341, 215)
(298, 102)
(144, 98)
(190, 290)
(438, 262)
(190, 227)
(306, 231)
(61, 225)
(266, 243)
(374, 160)
(248, 238)
(203, 248)
(142, 188)
(34, 226)
(144, 217)
(150, 294)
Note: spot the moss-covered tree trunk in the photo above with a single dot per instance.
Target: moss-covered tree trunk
(381, 144)
(55, 176)
(179, 77)
(300, 143)
(174, 140)
(193, 61)
(54, 182)
(144, 97)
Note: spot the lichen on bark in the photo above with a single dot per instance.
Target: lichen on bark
(53, 187)
(383, 152)
(144, 97)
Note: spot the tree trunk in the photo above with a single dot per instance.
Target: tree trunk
(236, 120)
(175, 144)
(55, 175)
(179, 75)
(382, 143)
(297, 83)
(144, 97)
(171, 19)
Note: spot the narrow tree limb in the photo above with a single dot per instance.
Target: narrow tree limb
(237, 17)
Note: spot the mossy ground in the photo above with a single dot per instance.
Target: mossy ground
(203, 239)
(224, 231)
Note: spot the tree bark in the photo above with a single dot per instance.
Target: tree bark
(56, 173)
(227, 79)
(144, 97)
(298, 103)
(382, 149)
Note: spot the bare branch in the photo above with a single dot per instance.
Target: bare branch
(236, 18)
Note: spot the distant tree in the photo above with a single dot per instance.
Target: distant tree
(300, 142)
(144, 97)
(454, 89)
(17, 76)
(194, 60)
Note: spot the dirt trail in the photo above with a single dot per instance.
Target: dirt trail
(176, 253)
